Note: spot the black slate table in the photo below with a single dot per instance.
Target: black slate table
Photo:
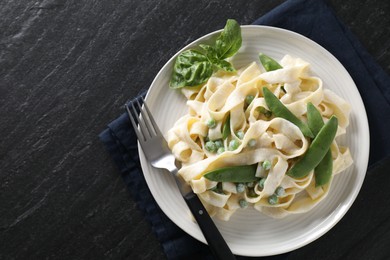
(66, 68)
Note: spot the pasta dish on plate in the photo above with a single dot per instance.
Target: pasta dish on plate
(263, 137)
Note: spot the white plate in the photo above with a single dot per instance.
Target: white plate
(248, 232)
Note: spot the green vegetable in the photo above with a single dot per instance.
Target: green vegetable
(279, 191)
(249, 99)
(314, 119)
(212, 55)
(218, 143)
(280, 110)
(252, 143)
(242, 173)
(250, 184)
(240, 187)
(273, 199)
(233, 145)
(210, 146)
(317, 150)
(243, 203)
(266, 165)
(226, 128)
(224, 65)
(261, 183)
(210, 52)
(220, 150)
(240, 134)
(191, 68)
(218, 188)
(264, 111)
(211, 123)
(229, 41)
(268, 63)
(194, 67)
(323, 171)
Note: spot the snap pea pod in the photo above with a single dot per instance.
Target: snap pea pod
(280, 110)
(314, 119)
(226, 128)
(241, 173)
(323, 171)
(268, 63)
(317, 150)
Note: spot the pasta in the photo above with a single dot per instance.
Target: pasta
(255, 137)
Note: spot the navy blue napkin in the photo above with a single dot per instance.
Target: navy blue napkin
(315, 20)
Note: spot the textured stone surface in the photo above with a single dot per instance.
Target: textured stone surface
(66, 68)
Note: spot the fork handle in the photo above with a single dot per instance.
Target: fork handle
(214, 239)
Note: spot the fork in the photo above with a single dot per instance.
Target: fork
(158, 154)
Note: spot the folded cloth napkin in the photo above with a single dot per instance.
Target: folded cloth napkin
(315, 20)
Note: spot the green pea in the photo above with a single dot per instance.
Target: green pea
(211, 123)
(280, 110)
(317, 150)
(266, 165)
(249, 99)
(264, 111)
(243, 203)
(233, 145)
(240, 134)
(250, 184)
(261, 183)
(252, 143)
(268, 114)
(268, 63)
(220, 150)
(240, 174)
(218, 143)
(279, 191)
(240, 187)
(211, 147)
(273, 199)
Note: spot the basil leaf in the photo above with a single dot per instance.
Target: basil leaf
(211, 53)
(224, 65)
(191, 68)
(229, 41)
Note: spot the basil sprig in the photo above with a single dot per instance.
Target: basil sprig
(194, 67)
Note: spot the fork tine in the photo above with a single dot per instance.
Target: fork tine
(144, 124)
(147, 119)
(135, 127)
(141, 122)
(150, 117)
